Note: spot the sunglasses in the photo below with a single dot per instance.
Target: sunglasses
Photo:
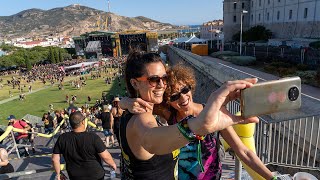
(154, 80)
(177, 96)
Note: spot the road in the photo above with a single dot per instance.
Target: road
(307, 90)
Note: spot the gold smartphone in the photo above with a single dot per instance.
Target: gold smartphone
(270, 97)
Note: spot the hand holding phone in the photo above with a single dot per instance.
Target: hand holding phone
(271, 96)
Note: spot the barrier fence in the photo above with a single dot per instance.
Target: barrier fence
(9, 133)
(13, 146)
(306, 56)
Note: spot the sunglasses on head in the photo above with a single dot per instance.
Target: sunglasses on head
(177, 96)
(154, 80)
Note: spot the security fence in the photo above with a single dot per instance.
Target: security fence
(306, 56)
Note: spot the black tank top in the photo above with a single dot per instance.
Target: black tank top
(162, 167)
(116, 122)
(116, 119)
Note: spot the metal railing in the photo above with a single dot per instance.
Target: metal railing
(290, 143)
(11, 144)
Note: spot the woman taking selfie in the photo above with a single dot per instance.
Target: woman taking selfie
(146, 145)
(178, 98)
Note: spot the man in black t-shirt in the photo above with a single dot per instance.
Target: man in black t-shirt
(82, 151)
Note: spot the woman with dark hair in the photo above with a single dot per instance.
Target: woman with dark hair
(147, 147)
(48, 123)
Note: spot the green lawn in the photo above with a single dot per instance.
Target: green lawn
(38, 102)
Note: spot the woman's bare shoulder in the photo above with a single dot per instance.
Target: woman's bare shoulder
(144, 120)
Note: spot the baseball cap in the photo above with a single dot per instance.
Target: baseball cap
(11, 117)
(116, 99)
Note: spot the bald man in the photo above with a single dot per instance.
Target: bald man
(6, 167)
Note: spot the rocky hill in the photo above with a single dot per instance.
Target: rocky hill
(72, 20)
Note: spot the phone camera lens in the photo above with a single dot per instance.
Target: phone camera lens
(293, 93)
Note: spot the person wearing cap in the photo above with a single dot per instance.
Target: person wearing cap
(82, 152)
(21, 138)
(116, 113)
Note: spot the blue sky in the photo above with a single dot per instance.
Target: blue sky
(179, 12)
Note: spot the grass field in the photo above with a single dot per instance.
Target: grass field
(38, 103)
(4, 92)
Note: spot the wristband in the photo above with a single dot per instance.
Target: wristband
(192, 138)
(186, 132)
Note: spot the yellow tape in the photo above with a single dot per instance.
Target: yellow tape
(41, 134)
(94, 126)
(6, 133)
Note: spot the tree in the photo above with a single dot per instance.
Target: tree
(28, 63)
(255, 33)
(61, 59)
(51, 56)
(56, 55)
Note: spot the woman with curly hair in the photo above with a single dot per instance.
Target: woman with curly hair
(177, 105)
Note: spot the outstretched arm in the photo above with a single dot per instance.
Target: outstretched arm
(244, 153)
(214, 117)
(135, 105)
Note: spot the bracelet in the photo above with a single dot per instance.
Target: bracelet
(186, 132)
(191, 137)
(274, 178)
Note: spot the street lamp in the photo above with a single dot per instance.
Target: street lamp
(241, 19)
(211, 34)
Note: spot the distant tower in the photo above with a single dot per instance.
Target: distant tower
(231, 17)
(109, 20)
(108, 5)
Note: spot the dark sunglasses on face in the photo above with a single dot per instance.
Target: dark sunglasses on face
(154, 80)
(177, 96)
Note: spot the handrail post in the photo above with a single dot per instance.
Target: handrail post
(15, 146)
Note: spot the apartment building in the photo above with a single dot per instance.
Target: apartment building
(285, 18)
(209, 30)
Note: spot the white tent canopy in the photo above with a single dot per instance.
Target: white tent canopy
(194, 39)
(80, 65)
(181, 40)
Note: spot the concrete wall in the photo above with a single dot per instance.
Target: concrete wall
(205, 84)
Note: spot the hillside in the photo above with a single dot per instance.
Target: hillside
(72, 20)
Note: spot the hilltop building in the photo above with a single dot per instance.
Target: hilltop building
(286, 19)
(210, 30)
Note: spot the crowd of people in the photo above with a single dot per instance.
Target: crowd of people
(162, 132)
